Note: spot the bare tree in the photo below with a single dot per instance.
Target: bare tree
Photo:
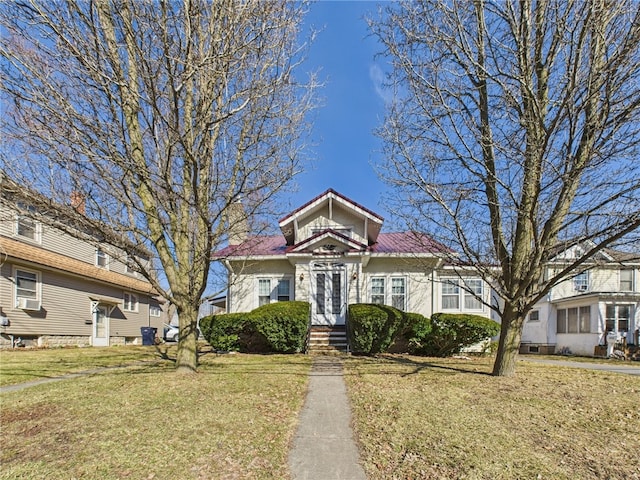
(514, 133)
(160, 114)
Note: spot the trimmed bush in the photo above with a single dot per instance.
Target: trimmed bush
(274, 328)
(283, 325)
(450, 333)
(415, 324)
(373, 328)
(223, 331)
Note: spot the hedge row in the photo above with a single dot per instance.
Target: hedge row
(282, 328)
(377, 328)
(276, 327)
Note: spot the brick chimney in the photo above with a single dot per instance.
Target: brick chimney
(237, 223)
(78, 202)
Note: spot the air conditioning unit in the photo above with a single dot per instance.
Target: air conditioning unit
(28, 304)
(582, 288)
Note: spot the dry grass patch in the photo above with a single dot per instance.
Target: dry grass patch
(449, 419)
(233, 419)
(22, 365)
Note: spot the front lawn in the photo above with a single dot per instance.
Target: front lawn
(449, 419)
(234, 419)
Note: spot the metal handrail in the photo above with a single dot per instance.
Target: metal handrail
(308, 339)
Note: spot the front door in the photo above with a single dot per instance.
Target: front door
(100, 326)
(329, 305)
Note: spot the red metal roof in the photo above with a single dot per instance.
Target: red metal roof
(388, 243)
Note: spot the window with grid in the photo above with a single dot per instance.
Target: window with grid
(473, 294)
(450, 295)
(264, 291)
(398, 293)
(581, 282)
(617, 318)
(377, 290)
(534, 316)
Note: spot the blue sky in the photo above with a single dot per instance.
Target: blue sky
(352, 106)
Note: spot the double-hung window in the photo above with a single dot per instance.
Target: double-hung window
(450, 295)
(396, 296)
(618, 317)
(273, 290)
(377, 290)
(154, 311)
(398, 293)
(581, 282)
(130, 302)
(473, 294)
(27, 289)
(26, 226)
(459, 294)
(626, 280)
(102, 259)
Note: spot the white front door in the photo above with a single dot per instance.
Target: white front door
(329, 302)
(100, 326)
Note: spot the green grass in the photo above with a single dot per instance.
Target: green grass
(449, 419)
(235, 418)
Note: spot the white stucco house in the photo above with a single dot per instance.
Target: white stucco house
(332, 252)
(577, 314)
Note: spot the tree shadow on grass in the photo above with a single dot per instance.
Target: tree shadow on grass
(420, 365)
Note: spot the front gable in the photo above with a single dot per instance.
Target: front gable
(335, 212)
(328, 242)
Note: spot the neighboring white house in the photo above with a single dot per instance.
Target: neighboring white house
(577, 313)
(332, 253)
(58, 290)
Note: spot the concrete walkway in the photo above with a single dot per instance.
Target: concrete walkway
(323, 448)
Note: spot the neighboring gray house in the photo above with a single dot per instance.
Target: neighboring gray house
(58, 290)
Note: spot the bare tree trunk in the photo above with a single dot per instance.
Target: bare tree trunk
(509, 344)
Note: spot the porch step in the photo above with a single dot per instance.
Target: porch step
(323, 339)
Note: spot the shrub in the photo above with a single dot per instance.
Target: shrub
(373, 328)
(283, 325)
(412, 322)
(451, 333)
(223, 331)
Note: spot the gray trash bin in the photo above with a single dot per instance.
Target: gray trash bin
(148, 335)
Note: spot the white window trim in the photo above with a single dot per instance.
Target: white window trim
(462, 292)
(581, 287)
(532, 320)
(16, 269)
(155, 308)
(633, 279)
(388, 288)
(106, 259)
(273, 287)
(126, 305)
(37, 227)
